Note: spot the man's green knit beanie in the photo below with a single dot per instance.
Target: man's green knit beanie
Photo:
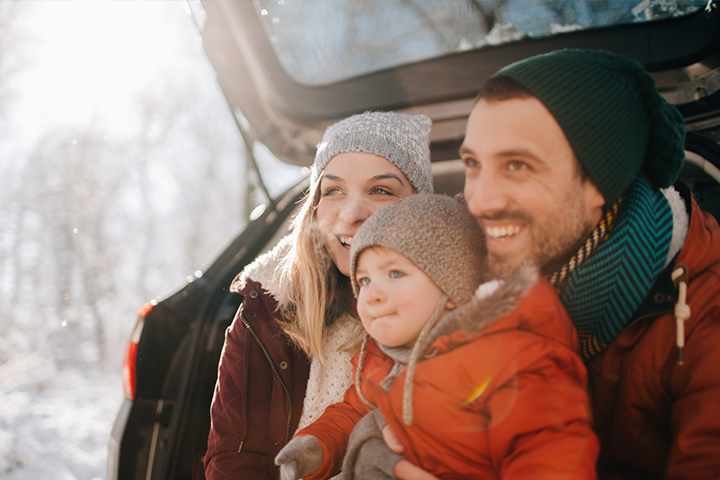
(612, 114)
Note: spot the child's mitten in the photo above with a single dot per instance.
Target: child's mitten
(300, 458)
(368, 457)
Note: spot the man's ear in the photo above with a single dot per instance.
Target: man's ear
(450, 305)
(596, 198)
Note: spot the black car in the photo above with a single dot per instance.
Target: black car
(289, 68)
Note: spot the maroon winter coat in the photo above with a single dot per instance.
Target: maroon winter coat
(259, 395)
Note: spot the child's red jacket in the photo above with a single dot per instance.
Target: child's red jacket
(500, 393)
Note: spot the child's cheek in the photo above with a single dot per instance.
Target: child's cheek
(362, 311)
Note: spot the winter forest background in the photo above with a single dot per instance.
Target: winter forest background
(121, 173)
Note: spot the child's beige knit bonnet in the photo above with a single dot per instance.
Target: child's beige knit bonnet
(435, 232)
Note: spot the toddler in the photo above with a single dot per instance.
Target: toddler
(476, 383)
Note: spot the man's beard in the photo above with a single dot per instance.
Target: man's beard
(551, 245)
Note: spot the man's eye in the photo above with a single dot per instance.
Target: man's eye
(363, 281)
(470, 162)
(396, 274)
(517, 165)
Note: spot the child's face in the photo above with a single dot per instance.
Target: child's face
(396, 298)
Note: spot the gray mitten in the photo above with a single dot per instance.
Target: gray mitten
(368, 457)
(300, 458)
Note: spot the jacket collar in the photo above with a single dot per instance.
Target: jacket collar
(453, 330)
(663, 294)
(264, 270)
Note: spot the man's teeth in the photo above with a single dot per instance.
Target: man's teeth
(502, 232)
(346, 241)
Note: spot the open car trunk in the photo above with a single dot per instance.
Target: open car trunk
(288, 69)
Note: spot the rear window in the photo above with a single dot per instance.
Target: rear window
(324, 41)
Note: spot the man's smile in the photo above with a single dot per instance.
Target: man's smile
(501, 233)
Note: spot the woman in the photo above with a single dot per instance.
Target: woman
(287, 353)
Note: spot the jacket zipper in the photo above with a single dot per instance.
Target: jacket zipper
(649, 315)
(275, 371)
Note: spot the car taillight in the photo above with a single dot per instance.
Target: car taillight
(129, 373)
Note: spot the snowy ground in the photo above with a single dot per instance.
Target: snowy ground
(55, 424)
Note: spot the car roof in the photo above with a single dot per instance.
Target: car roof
(289, 116)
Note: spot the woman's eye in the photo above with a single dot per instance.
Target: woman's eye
(396, 274)
(363, 281)
(380, 191)
(331, 191)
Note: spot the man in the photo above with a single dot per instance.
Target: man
(572, 159)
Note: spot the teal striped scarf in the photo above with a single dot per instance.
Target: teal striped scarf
(602, 289)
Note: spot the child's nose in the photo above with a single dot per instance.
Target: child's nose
(375, 294)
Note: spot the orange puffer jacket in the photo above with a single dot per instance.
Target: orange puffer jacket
(507, 400)
(656, 418)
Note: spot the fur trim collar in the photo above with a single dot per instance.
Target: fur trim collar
(490, 303)
(264, 271)
(681, 223)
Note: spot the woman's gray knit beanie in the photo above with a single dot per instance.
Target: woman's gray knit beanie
(435, 232)
(402, 139)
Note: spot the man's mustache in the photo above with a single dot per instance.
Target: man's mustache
(507, 215)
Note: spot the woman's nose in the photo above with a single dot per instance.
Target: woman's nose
(354, 210)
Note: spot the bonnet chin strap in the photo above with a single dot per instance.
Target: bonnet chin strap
(401, 355)
(358, 371)
(417, 350)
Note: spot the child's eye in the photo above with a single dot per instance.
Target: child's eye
(363, 281)
(396, 274)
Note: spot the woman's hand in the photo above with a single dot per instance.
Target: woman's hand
(404, 470)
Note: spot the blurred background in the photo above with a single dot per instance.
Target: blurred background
(121, 177)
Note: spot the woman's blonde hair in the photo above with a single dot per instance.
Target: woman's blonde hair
(317, 293)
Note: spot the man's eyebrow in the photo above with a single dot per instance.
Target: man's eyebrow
(514, 152)
(518, 152)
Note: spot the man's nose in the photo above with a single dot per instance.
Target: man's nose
(484, 194)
